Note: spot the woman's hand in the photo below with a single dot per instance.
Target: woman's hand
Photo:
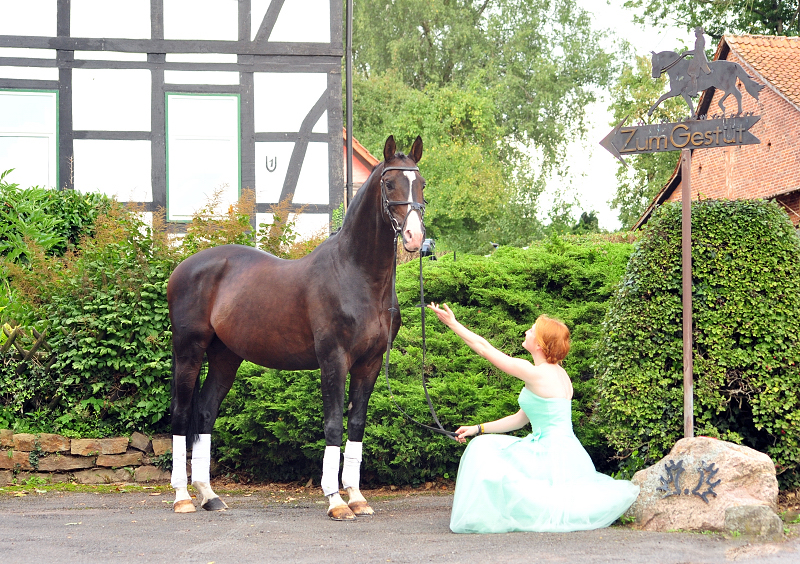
(463, 432)
(444, 313)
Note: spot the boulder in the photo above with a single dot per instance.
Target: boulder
(754, 521)
(151, 474)
(6, 476)
(9, 460)
(140, 441)
(48, 442)
(90, 447)
(161, 445)
(102, 476)
(63, 462)
(119, 460)
(699, 481)
(6, 438)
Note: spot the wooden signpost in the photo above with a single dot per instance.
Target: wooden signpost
(684, 136)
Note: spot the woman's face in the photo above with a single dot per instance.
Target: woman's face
(530, 339)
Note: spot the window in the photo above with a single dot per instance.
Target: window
(28, 137)
(202, 151)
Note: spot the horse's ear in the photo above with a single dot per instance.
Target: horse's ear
(416, 149)
(389, 149)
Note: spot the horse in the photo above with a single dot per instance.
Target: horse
(723, 76)
(332, 310)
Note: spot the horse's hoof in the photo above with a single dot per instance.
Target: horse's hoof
(183, 506)
(214, 504)
(360, 508)
(341, 513)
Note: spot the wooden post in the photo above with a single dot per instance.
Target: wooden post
(686, 252)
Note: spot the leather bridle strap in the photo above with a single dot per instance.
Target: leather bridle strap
(441, 430)
(415, 206)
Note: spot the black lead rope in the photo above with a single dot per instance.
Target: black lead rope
(441, 430)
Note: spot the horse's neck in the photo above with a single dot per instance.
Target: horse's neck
(367, 238)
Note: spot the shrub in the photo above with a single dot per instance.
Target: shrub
(746, 335)
(107, 317)
(271, 422)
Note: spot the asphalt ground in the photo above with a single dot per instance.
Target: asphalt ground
(137, 525)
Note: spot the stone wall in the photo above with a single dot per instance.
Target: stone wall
(84, 461)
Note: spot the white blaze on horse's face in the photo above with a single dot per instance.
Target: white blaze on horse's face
(412, 232)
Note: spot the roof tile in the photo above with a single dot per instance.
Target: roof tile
(775, 58)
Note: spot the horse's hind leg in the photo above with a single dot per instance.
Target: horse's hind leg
(222, 367)
(185, 372)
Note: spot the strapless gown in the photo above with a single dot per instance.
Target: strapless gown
(543, 482)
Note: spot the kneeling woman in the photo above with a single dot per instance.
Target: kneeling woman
(543, 482)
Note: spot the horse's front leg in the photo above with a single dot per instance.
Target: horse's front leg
(362, 382)
(333, 374)
(669, 94)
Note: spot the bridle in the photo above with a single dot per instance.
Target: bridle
(415, 206)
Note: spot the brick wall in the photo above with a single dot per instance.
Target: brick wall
(753, 171)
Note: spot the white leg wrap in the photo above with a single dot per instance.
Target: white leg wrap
(330, 470)
(179, 479)
(351, 472)
(201, 460)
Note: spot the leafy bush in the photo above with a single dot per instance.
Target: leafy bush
(107, 317)
(746, 334)
(53, 220)
(271, 422)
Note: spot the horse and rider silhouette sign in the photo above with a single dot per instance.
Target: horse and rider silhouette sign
(688, 78)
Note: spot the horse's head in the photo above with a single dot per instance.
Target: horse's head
(401, 192)
(659, 61)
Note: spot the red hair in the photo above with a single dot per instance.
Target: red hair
(553, 336)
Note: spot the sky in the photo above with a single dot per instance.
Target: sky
(591, 179)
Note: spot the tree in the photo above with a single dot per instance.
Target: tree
(717, 17)
(632, 96)
(485, 83)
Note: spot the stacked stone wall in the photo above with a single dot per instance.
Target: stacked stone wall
(57, 459)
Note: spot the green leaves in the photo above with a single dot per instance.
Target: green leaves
(746, 301)
(271, 422)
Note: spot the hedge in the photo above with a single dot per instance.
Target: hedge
(746, 335)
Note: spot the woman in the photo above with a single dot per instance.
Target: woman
(545, 481)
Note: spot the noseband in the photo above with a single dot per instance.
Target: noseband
(415, 206)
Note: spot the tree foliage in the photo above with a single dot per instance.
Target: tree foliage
(746, 336)
(645, 175)
(484, 83)
(717, 17)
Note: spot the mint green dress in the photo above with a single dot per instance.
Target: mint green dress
(543, 482)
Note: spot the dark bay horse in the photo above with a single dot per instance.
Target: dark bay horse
(723, 76)
(329, 310)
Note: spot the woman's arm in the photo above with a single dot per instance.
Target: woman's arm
(510, 423)
(517, 367)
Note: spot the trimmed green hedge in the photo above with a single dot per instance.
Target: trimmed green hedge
(271, 422)
(746, 333)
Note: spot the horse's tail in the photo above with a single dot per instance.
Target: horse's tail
(193, 432)
(753, 88)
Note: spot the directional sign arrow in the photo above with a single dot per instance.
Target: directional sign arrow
(607, 141)
(690, 134)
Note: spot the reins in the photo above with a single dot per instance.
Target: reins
(398, 229)
(441, 430)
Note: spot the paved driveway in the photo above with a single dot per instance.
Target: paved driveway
(262, 527)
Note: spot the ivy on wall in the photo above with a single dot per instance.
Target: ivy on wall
(746, 335)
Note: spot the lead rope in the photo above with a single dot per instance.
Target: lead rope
(441, 430)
